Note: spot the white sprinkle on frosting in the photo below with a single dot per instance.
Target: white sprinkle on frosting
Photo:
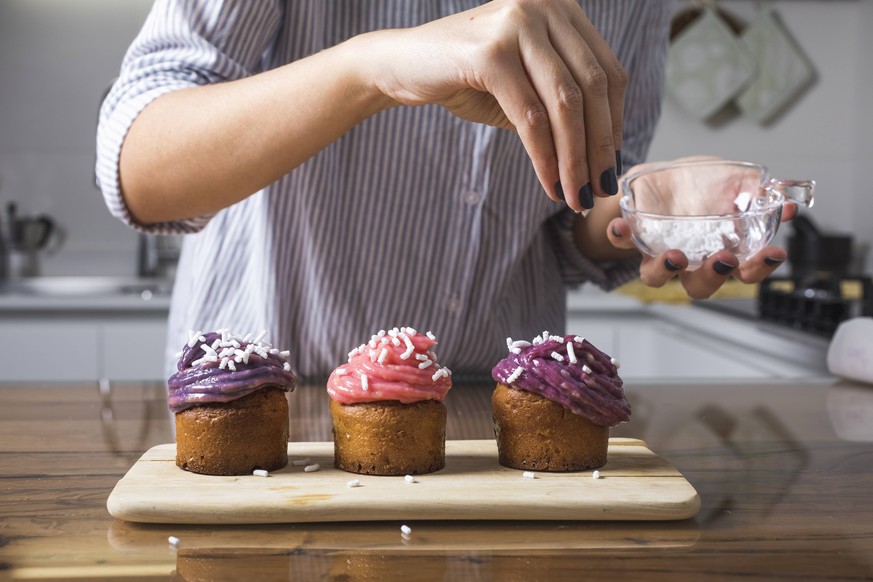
(571, 353)
(439, 374)
(430, 336)
(578, 339)
(382, 355)
(615, 363)
(557, 356)
(586, 369)
(516, 374)
(341, 371)
(425, 364)
(364, 384)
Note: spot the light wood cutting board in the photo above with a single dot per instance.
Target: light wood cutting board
(635, 484)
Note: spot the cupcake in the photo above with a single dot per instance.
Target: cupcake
(387, 407)
(228, 399)
(555, 400)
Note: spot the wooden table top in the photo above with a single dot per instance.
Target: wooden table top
(784, 472)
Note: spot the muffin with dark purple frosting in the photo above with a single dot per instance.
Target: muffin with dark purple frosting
(555, 401)
(228, 399)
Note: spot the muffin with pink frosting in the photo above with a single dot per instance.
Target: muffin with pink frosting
(555, 401)
(387, 407)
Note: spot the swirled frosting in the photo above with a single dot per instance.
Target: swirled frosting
(568, 370)
(394, 365)
(220, 367)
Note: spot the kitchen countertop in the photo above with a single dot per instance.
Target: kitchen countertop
(84, 294)
(783, 470)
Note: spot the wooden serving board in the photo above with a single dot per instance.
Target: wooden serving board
(635, 484)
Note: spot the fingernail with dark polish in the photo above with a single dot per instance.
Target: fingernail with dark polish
(772, 262)
(723, 268)
(586, 196)
(618, 162)
(615, 232)
(609, 182)
(559, 190)
(671, 266)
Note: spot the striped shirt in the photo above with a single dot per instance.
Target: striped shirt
(414, 217)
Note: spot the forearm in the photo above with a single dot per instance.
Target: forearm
(590, 232)
(198, 150)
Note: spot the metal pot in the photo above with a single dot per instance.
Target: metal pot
(21, 241)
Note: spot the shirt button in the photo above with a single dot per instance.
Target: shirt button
(472, 197)
(453, 304)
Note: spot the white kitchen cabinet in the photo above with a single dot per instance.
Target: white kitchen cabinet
(82, 347)
(684, 343)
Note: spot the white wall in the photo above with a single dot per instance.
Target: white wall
(56, 59)
(57, 56)
(827, 135)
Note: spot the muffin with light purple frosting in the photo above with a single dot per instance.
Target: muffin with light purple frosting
(228, 399)
(555, 401)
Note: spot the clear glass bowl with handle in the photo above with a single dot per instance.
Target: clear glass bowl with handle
(701, 206)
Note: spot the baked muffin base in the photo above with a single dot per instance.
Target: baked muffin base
(234, 438)
(388, 437)
(534, 433)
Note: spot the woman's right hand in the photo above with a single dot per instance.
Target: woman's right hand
(537, 67)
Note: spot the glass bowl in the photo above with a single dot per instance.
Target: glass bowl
(702, 206)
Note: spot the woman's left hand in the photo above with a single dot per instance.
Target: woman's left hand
(715, 271)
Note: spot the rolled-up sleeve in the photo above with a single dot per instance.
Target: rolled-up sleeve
(183, 43)
(644, 64)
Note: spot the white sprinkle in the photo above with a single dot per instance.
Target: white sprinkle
(383, 341)
(615, 363)
(571, 353)
(364, 383)
(300, 462)
(372, 355)
(353, 483)
(341, 371)
(395, 341)
(285, 354)
(515, 350)
(421, 357)
(411, 331)
(439, 374)
(354, 353)
(286, 366)
(425, 364)
(261, 473)
(509, 343)
(223, 364)
(410, 479)
(520, 344)
(260, 336)
(557, 338)
(406, 529)
(381, 333)
(372, 344)
(178, 355)
(557, 356)
(382, 355)
(529, 475)
(537, 340)
(545, 335)
(586, 369)
(231, 366)
(430, 336)
(394, 332)
(174, 541)
(595, 474)
(516, 374)
(311, 468)
(578, 339)
(410, 349)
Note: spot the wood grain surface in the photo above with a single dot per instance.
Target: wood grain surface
(635, 484)
(783, 470)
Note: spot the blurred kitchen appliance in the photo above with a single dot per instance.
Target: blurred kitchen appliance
(821, 291)
(22, 239)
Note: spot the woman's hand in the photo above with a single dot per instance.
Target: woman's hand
(535, 66)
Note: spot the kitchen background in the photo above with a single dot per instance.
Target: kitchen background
(57, 57)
